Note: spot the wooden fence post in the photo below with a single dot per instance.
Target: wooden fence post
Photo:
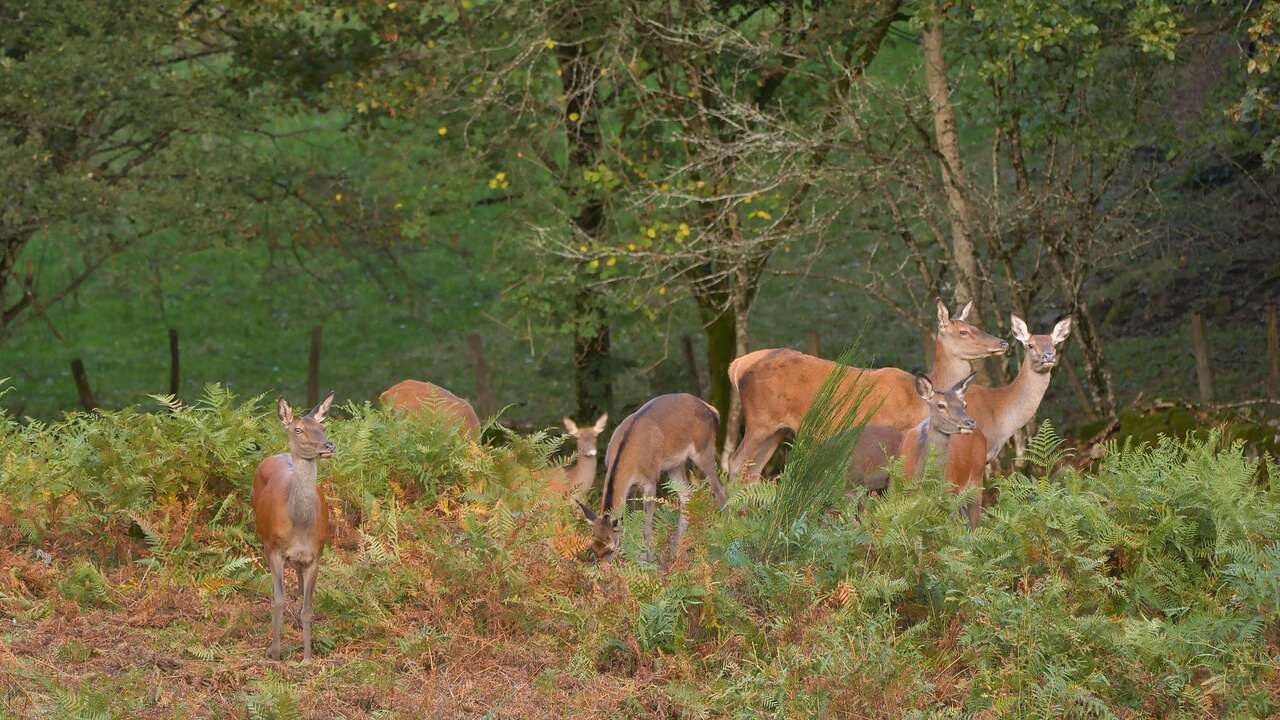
(82, 385)
(691, 365)
(1200, 345)
(1273, 353)
(313, 368)
(813, 343)
(484, 386)
(173, 362)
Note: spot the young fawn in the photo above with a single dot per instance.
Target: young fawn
(575, 481)
(877, 444)
(291, 515)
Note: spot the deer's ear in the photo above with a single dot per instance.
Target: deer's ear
(924, 387)
(963, 385)
(944, 317)
(1061, 330)
(1020, 330)
(285, 412)
(601, 423)
(321, 411)
(963, 315)
(571, 426)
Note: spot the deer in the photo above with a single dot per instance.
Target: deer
(1000, 411)
(415, 395)
(291, 515)
(663, 436)
(877, 444)
(777, 386)
(575, 481)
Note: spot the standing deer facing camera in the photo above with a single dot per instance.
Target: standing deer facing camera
(575, 481)
(291, 515)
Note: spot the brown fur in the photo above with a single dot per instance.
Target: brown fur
(663, 436)
(291, 515)
(777, 386)
(413, 395)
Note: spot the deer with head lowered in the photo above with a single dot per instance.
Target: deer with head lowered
(663, 436)
(877, 444)
(777, 386)
(417, 395)
(291, 515)
(575, 481)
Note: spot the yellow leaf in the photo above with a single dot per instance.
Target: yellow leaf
(651, 232)
(662, 291)
(442, 130)
(337, 197)
(611, 261)
(500, 176)
(550, 43)
(573, 117)
(593, 264)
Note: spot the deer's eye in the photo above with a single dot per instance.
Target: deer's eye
(297, 431)
(942, 406)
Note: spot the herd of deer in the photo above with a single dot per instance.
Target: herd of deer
(903, 415)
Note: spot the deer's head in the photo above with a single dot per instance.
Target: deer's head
(1042, 350)
(947, 413)
(306, 433)
(966, 341)
(606, 534)
(587, 436)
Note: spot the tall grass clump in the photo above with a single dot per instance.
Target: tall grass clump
(817, 468)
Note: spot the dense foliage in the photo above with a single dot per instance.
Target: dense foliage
(1143, 587)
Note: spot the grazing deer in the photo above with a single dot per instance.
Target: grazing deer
(291, 515)
(777, 386)
(663, 436)
(575, 481)
(877, 444)
(413, 395)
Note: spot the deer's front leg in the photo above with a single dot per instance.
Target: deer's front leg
(308, 587)
(275, 562)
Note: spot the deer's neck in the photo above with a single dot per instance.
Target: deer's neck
(303, 496)
(947, 368)
(581, 474)
(1016, 404)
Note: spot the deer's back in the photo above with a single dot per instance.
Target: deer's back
(662, 432)
(779, 386)
(413, 395)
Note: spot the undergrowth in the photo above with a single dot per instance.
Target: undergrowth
(1145, 587)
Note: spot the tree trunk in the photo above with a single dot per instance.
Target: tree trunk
(592, 371)
(721, 349)
(953, 180)
(593, 378)
(1096, 375)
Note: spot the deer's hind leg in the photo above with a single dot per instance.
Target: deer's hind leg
(680, 484)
